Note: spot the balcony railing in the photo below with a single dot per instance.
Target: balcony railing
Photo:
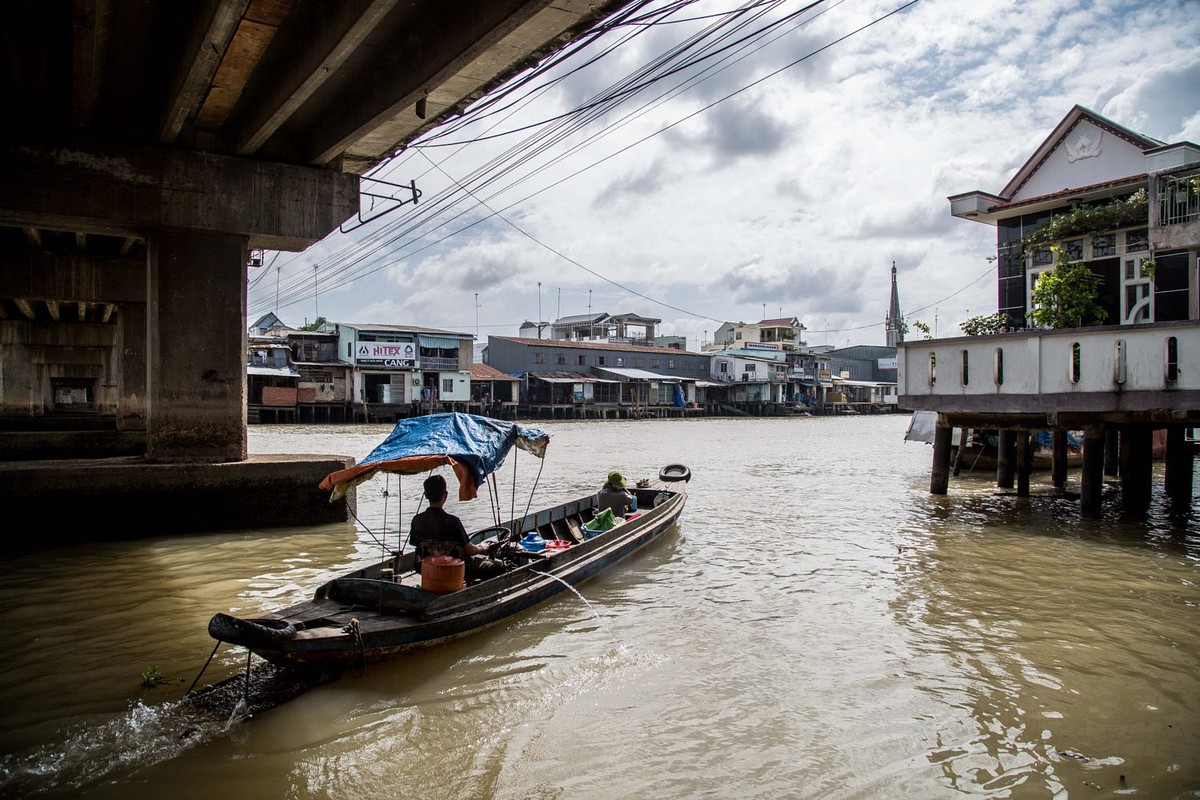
(1086, 369)
(439, 363)
(1178, 199)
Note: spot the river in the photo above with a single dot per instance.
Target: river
(817, 626)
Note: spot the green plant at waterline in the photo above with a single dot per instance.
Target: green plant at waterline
(152, 677)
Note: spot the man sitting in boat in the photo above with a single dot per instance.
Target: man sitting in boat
(614, 495)
(436, 532)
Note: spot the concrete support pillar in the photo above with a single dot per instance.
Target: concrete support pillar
(1112, 451)
(1179, 466)
(1006, 454)
(939, 479)
(1058, 466)
(196, 346)
(1091, 480)
(1024, 461)
(133, 398)
(1136, 464)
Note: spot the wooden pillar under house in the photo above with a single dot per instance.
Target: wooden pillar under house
(1137, 444)
(1091, 480)
(1112, 451)
(1058, 456)
(1024, 461)
(1005, 456)
(939, 479)
(962, 448)
(1179, 466)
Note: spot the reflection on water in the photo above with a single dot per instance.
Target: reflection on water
(818, 626)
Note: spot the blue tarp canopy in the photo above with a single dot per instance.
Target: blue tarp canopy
(472, 445)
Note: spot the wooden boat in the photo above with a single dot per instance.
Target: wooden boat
(387, 609)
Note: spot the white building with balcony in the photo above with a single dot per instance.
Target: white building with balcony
(1120, 382)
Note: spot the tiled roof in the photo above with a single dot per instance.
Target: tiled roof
(1130, 180)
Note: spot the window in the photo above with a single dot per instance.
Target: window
(1073, 250)
(966, 369)
(670, 363)
(1136, 240)
(1075, 362)
(999, 366)
(1042, 255)
(1105, 245)
(1172, 359)
(737, 336)
(581, 360)
(560, 358)
(620, 361)
(447, 385)
(932, 368)
(1137, 297)
(539, 358)
(654, 363)
(601, 361)
(749, 368)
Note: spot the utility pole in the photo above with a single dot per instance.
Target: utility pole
(477, 316)
(539, 325)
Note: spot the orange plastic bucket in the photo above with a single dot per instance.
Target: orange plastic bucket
(442, 574)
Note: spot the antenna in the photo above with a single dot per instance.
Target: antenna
(477, 315)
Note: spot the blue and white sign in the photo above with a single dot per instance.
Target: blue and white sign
(385, 354)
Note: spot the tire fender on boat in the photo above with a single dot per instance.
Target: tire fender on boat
(257, 632)
(674, 472)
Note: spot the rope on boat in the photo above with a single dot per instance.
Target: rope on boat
(246, 693)
(206, 663)
(532, 491)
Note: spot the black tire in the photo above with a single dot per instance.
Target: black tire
(674, 472)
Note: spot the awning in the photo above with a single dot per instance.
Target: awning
(640, 374)
(871, 384)
(438, 342)
(567, 377)
(707, 385)
(277, 372)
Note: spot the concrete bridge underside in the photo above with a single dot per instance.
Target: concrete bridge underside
(149, 148)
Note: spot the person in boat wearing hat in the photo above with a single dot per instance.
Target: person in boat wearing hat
(614, 495)
(436, 532)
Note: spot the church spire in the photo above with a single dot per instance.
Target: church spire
(894, 325)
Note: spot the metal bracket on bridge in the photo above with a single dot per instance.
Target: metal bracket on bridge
(385, 198)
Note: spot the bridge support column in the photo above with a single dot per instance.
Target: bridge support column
(196, 346)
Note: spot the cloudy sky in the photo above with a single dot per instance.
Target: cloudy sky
(721, 166)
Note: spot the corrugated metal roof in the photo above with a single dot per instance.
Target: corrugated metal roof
(277, 372)
(641, 374)
(567, 377)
